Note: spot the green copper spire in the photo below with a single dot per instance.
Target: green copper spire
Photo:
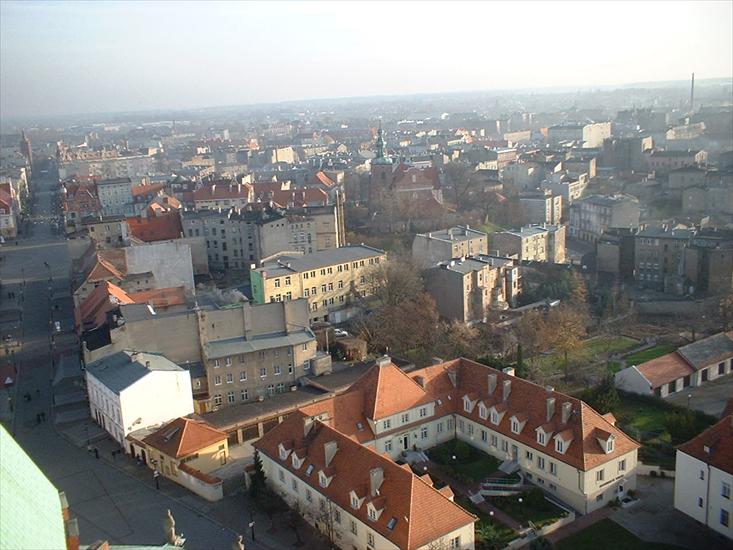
(380, 158)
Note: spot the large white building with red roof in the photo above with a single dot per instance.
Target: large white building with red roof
(704, 477)
(557, 442)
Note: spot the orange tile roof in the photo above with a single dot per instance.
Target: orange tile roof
(223, 191)
(714, 446)
(160, 297)
(162, 227)
(106, 297)
(152, 189)
(183, 436)
(387, 391)
(295, 197)
(422, 514)
(665, 369)
(321, 177)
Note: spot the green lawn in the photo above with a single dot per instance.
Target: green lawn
(648, 354)
(592, 350)
(608, 535)
(489, 228)
(470, 463)
(502, 533)
(534, 507)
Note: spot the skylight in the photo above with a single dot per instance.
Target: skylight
(309, 470)
(391, 523)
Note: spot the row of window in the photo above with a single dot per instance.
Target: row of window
(276, 371)
(272, 389)
(404, 418)
(228, 361)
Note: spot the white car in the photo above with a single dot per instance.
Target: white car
(340, 332)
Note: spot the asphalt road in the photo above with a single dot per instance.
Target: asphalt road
(108, 503)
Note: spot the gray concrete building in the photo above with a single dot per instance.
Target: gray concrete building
(592, 216)
(533, 243)
(428, 249)
(538, 207)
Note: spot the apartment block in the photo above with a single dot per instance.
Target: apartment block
(465, 289)
(532, 243)
(115, 196)
(333, 281)
(593, 216)
(659, 254)
(437, 246)
(538, 207)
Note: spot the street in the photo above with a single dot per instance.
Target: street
(108, 502)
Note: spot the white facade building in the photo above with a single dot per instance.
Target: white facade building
(704, 479)
(130, 390)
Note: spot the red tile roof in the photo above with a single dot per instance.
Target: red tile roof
(714, 446)
(162, 227)
(421, 513)
(160, 297)
(321, 177)
(223, 191)
(295, 197)
(665, 369)
(183, 437)
(147, 190)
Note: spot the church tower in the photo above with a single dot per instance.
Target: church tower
(381, 172)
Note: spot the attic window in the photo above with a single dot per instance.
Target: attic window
(515, 426)
(391, 524)
(309, 470)
(494, 417)
(540, 437)
(559, 445)
(482, 411)
(440, 402)
(322, 479)
(360, 426)
(372, 514)
(610, 444)
(354, 502)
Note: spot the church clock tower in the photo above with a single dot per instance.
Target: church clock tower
(381, 172)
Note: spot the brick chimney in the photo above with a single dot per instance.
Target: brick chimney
(507, 389)
(567, 408)
(550, 407)
(72, 535)
(330, 448)
(492, 383)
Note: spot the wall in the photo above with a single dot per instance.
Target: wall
(210, 491)
(170, 263)
(689, 487)
(631, 380)
(447, 288)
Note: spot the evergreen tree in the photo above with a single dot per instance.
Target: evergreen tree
(257, 478)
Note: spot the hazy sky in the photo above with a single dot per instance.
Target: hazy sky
(65, 58)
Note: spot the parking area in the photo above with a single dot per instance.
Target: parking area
(709, 398)
(654, 519)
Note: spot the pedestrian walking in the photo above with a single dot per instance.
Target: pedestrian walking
(96, 453)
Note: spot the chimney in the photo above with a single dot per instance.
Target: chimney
(420, 380)
(376, 478)
(492, 383)
(567, 408)
(507, 387)
(330, 448)
(384, 361)
(72, 534)
(307, 425)
(550, 407)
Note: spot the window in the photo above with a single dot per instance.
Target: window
(455, 543)
(386, 424)
(439, 428)
(725, 490)
(559, 447)
(702, 474)
(294, 485)
(470, 429)
(484, 436)
(322, 505)
(467, 405)
(228, 361)
(372, 514)
(423, 412)
(724, 517)
(216, 363)
(354, 502)
(330, 286)
(388, 445)
(308, 495)
(424, 432)
(494, 440)
(529, 455)
(622, 465)
(230, 378)
(699, 502)
(277, 370)
(277, 283)
(461, 425)
(217, 399)
(553, 468)
(287, 281)
(217, 380)
(405, 418)
(541, 437)
(263, 372)
(494, 417)
(540, 463)
(280, 388)
(244, 395)
(323, 288)
(515, 426)
(370, 535)
(230, 397)
(337, 516)
(242, 376)
(353, 527)
(504, 445)
(482, 411)
(281, 475)
(270, 389)
(600, 474)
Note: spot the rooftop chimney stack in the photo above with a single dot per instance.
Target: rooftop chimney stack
(550, 407)
(567, 408)
(376, 478)
(507, 387)
(330, 448)
(492, 383)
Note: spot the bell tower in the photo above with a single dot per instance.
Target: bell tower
(381, 172)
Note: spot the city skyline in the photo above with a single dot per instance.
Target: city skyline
(312, 51)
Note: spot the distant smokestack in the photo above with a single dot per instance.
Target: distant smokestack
(692, 94)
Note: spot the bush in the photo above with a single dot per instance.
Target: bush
(536, 499)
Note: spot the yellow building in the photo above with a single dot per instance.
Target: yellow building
(331, 280)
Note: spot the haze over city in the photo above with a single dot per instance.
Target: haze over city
(80, 57)
(366, 275)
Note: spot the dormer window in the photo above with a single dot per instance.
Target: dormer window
(354, 502)
(515, 426)
(482, 411)
(494, 417)
(541, 437)
(559, 445)
(372, 514)
(323, 479)
(284, 453)
(297, 463)
(610, 444)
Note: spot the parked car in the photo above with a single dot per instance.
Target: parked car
(340, 333)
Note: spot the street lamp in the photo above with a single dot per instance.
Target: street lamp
(689, 396)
